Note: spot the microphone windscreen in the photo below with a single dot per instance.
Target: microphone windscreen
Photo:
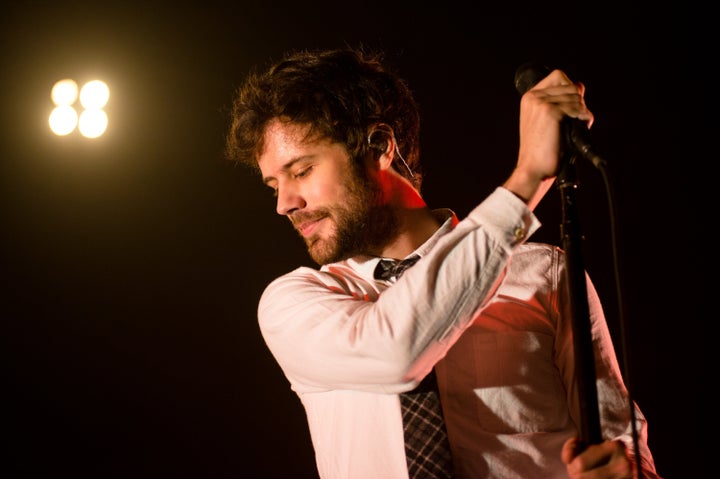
(528, 75)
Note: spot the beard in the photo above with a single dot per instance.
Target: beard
(363, 223)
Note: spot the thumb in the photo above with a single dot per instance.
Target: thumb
(571, 449)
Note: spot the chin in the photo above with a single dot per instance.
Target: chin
(317, 251)
(322, 254)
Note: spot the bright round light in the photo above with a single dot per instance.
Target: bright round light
(94, 94)
(63, 120)
(93, 123)
(64, 92)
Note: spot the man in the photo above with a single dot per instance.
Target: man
(335, 135)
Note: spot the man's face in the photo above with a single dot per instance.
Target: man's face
(336, 207)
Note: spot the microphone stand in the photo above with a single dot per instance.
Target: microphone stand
(571, 233)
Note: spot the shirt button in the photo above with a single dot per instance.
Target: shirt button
(519, 233)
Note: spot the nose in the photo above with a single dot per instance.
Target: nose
(289, 199)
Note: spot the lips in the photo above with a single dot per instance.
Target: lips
(306, 228)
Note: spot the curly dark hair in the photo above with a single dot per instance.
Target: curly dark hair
(341, 94)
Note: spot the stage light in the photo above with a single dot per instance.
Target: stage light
(94, 94)
(64, 118)
(64, 92)
(93, 122)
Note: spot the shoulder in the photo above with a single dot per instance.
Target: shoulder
(308, 294)
(333, 280)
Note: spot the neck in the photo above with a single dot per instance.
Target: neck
(416, 222)
(416, 226)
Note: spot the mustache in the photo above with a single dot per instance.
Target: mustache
(299, 218)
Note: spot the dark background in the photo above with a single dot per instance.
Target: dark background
(132, 263)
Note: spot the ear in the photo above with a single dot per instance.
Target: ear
(381, 140)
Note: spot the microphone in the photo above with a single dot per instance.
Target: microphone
(576, 132)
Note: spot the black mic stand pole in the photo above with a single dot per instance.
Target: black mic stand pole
(575, 276)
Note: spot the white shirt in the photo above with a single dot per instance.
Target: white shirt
(497, 331)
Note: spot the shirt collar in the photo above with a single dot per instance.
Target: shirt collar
(365, 265)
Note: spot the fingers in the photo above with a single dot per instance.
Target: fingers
(608, 459)
(570, 449)
(558, 90)
(542, 110)
(589, 117)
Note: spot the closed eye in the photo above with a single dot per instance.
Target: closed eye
(303, 172)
